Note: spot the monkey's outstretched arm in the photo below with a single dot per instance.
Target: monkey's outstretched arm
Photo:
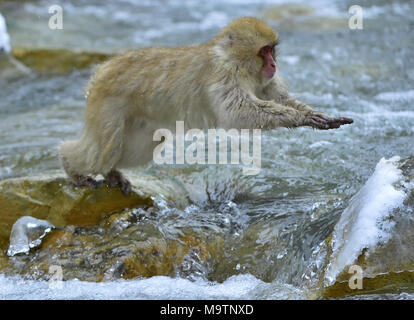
(248, 111)
(298, 105)
(330, 123)
(276, 91)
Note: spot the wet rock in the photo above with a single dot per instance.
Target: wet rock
(11, 69)
(299, 17)
(371, 71)
(101, 234)
(286, 10)
(314, 24)
(126, 245)
(375, 234)
(57, 60)
(51, 198)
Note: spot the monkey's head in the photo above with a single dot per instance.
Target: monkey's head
(249, 45)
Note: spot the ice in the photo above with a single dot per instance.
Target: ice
(27, 232)
(4, 37)
(364, 222)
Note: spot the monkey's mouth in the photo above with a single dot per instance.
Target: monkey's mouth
(268, 74)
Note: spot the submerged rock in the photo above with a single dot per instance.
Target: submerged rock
(57, 60)
(12, 69)
(300, 17)
(374, 236)
(286, 10)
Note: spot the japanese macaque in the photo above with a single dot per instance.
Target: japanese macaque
(231, 81)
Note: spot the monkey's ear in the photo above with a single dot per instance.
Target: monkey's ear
(224, 45)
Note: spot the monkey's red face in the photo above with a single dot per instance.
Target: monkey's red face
(269, 64)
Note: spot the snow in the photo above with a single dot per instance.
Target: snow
(364, 222)
(4, 37)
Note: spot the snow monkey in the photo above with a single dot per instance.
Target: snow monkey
(228, 82)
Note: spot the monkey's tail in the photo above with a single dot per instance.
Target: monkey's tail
(93, 154)
(78, 157)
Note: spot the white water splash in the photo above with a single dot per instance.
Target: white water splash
(396, 96)
(159, 287)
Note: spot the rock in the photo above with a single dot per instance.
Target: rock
(314, 24)
(375, 233)
(372, 71)
(57, 60)
(101, 234)
(124, 245)
(11, 69)
(51, 198)
(299, 17)
(22, 62)
(57, 239)
(286, 10)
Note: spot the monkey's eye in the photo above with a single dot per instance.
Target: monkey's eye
(266, 50)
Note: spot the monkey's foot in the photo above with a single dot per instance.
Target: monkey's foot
(115, 178)
(85, 181)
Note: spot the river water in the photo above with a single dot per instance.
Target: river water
(307, 176)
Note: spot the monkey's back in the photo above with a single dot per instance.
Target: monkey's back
(152, 80)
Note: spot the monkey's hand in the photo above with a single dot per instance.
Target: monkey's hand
(321, 121)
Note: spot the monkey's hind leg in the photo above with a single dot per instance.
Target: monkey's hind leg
(85, 181)
(115, 178)
(74, 165)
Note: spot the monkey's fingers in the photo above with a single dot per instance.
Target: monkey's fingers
(317, 122)
(321, 116)
(345, 120)
(337, 122)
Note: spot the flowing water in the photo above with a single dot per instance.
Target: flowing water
(307, 176)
